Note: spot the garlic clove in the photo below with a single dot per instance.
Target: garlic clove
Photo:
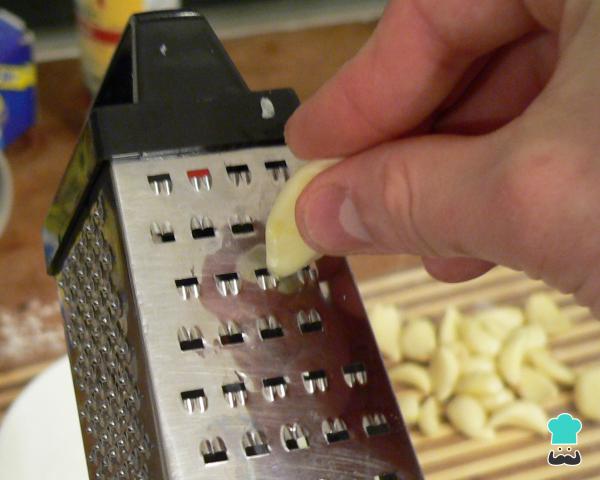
(542, 310)
(411, 374)
(479, 383)
(409, 402)
(521, 414)
(536, 387)
(512, 354)
(287, 252)
(386, 322)
(500, 321)
(494, 401)
(468, 416)
(418, 339)
(587, 393)
(478, 340)
(444, 369)
(448, 329)
(429, 417)
(478, 363)
(544, 362)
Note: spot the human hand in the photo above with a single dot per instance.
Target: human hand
(471, 136)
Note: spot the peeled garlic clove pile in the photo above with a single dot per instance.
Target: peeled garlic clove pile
(468, 416)
(444, 370)
(542, 310)
(429, 417)
(489, 363)
(287, 252)
(587, 393)
(521, 414)
(386, 321)
(418, 339)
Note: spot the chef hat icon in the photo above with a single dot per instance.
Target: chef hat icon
(564, 429)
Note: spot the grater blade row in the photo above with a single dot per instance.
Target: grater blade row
(189, 359)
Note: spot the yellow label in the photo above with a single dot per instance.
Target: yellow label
(109, 14)
(17, 77)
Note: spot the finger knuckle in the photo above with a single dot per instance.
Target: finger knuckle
(399, 203)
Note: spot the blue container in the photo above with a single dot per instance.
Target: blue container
(17, 78)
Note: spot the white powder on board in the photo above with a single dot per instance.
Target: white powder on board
(28, 333)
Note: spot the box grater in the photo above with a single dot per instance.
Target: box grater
(190, 361)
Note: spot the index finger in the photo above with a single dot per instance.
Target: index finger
(418, 52)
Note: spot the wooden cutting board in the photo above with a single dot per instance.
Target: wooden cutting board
(513, 454)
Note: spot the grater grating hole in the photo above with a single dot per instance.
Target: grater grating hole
(188, 287)
(194, 400)
(275, 387)
(200, 179)
(241, 225)
(265, 280)
(235, 394)
(213, 452)
(335, 430)
(161, 184)
(294, 437)
(269, 328)
(355, 374)
(101, 357)
(309, 322)
(162, 232)
(202, 227)
(239, 174)
(315, 381)
(387, 476)
(325, 290)
(228, 283)
(307, 275)
(230, 334)
(190, 339)
(255, 444)
(278, 169)
(375, 424)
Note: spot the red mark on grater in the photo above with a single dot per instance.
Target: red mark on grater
(200, 179)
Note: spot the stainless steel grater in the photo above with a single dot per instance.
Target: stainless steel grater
(189, 360)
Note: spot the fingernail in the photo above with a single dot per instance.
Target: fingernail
(331, 221)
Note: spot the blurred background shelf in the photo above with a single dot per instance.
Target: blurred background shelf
(54, 27)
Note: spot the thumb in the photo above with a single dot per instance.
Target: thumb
(429, 196)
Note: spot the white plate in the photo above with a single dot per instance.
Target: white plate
(40, 436)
